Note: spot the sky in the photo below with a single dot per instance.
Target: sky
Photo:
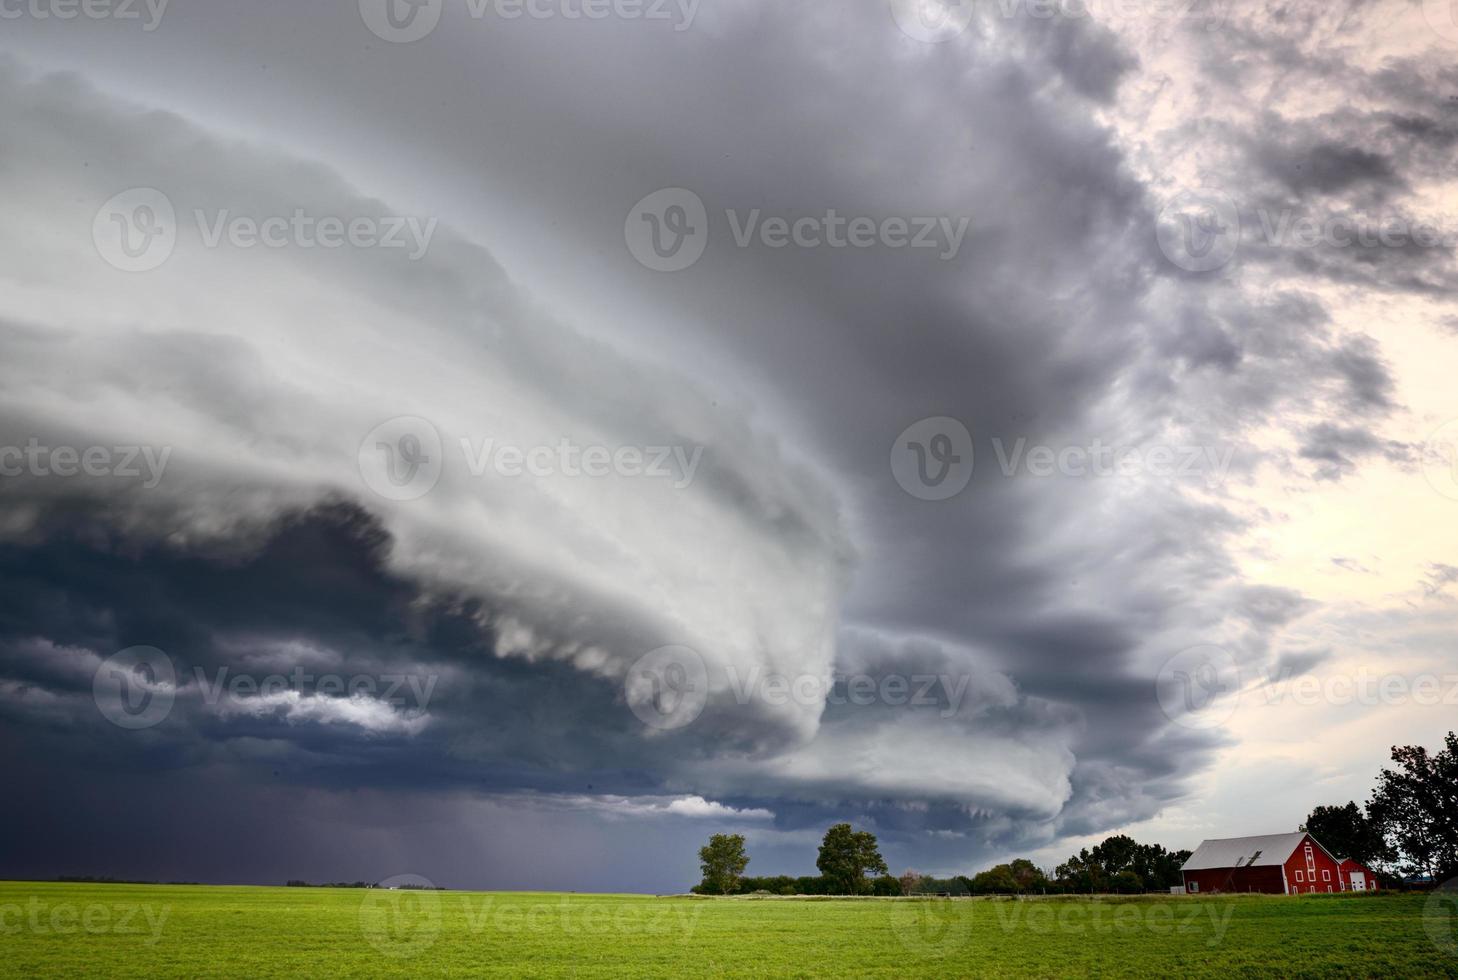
(508, 442)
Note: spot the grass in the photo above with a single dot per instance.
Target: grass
(193, 931)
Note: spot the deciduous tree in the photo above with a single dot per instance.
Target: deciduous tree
(846, 857)
(723, 861)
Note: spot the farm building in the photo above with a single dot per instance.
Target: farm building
(1356, 876)
(1276, 864)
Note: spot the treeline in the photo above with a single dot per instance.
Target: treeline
(850, 864)
(108, 880)
(297, 883)
(1409, 828)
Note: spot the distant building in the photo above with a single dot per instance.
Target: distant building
(1276, 864)
(1357, 877)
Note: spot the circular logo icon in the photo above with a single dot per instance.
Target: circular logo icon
(402, 459)
(1214, 15)
(1440, 460)
(932, 460)
(400, 21)
(1199, 688)
(400, 916)
(668, 230)
(1442, 17)
(1440, 917)
(930, 926)
(932, 21)
(135, 688)
(136, 230)
(668, 688)
(1199, 231)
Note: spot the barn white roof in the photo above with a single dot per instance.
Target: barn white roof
(1244, 852)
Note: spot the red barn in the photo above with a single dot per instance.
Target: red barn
(1356, 876)
(1277, 864)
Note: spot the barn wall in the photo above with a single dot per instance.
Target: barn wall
(1266, 880)
(1328, 875)
(1348, 866)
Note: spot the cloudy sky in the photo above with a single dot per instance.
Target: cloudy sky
(508, 442)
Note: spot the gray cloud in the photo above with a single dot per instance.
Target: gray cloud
(1050, 603)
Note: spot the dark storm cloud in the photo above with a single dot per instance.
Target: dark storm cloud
(1058, 322)
(1328, 167)
(1337, 449)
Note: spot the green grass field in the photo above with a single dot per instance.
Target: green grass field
(185, 931)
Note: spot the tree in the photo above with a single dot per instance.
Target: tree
(1029, 876)
(1099, 870)
(908, 881)
(996, 881)
(1080, 873)
(723, 861)
(1416, 808)
(846, 857)
(885, 886)
(1347, 832)
(1127, 882)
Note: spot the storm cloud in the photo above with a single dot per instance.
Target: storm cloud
(745, 412)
